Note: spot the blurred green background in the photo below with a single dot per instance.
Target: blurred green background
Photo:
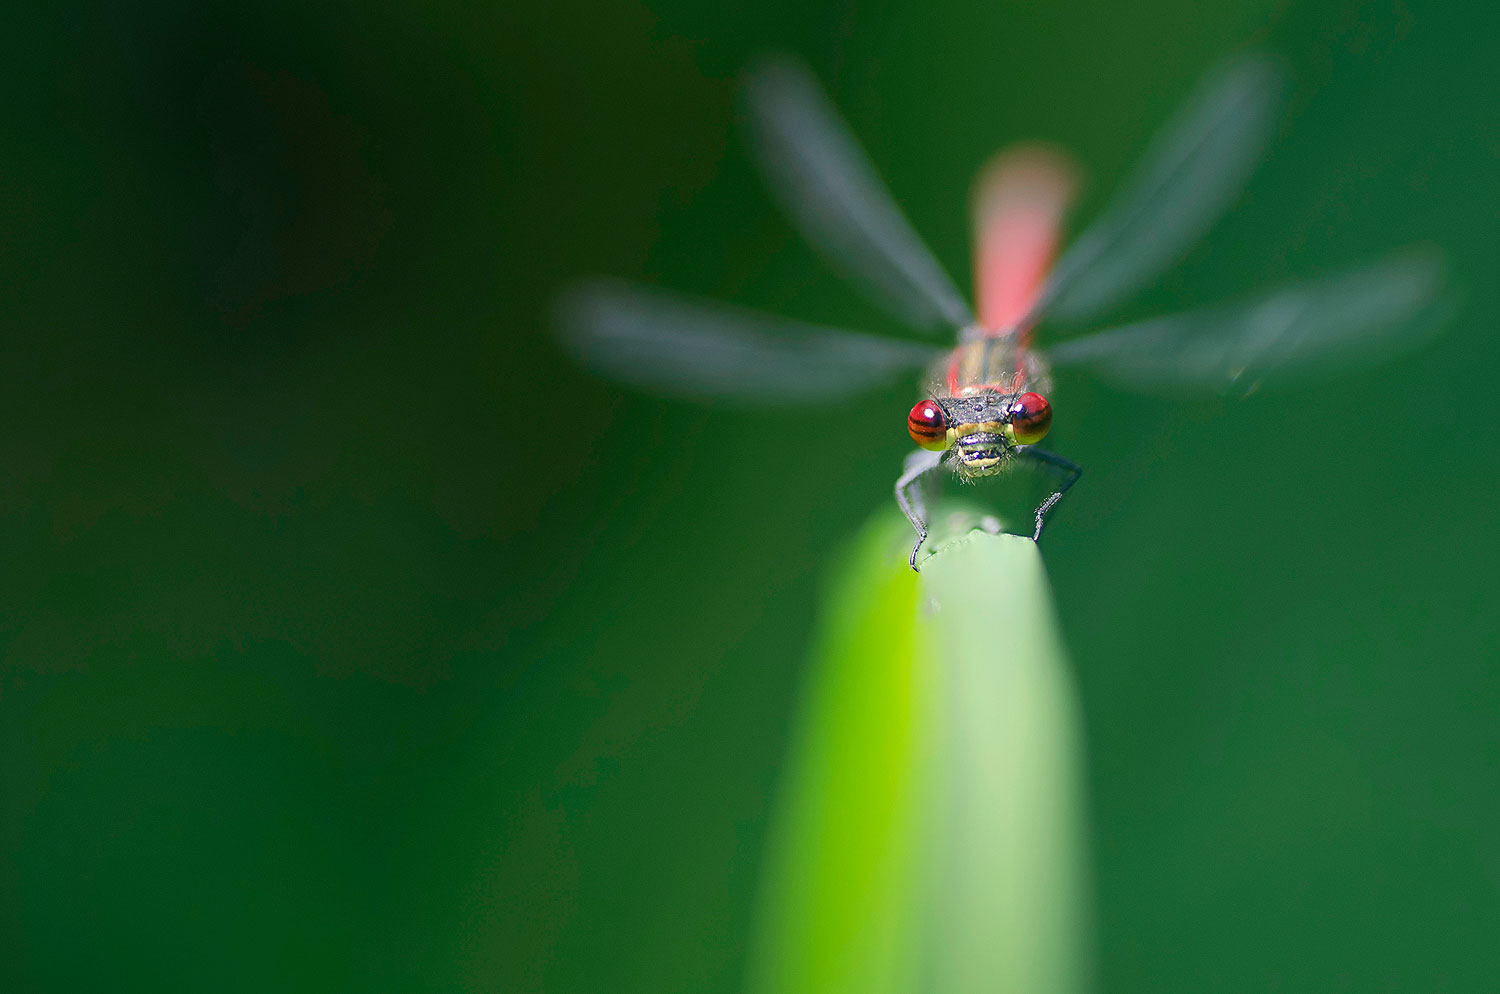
(354, 639)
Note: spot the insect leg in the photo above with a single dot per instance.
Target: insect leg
(910, 497)
(1056, 464)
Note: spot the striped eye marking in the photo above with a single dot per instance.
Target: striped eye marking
(928, 425)
(1030, 417)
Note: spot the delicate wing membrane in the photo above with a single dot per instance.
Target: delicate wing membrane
(1189, 176)
(1360, 316)
(673, 344)
(828, 188)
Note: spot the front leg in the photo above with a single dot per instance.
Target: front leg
(1071, 471)
(909, 494)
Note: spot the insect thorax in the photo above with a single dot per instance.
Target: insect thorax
(992, 365)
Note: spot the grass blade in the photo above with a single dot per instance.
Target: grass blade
(929, 835)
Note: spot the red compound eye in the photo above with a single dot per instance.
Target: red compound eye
(1030, 417)
(928, 425)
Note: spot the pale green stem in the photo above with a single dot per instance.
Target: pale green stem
(929, 835)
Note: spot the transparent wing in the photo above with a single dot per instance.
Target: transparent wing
(828, 188)
(1360, 316)
(677, 345)
(1191, 173)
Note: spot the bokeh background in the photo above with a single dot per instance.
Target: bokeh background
(354, 639)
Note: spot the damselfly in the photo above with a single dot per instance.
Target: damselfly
(986, 408)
